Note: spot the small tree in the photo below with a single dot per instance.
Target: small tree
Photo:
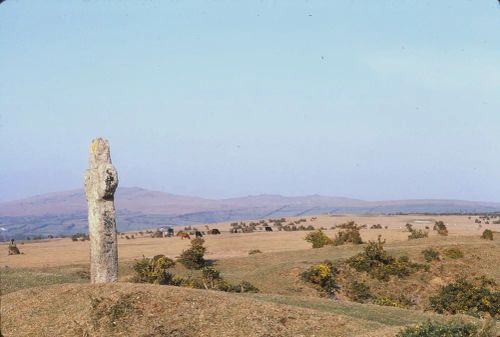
(487, 234)
(192, 258)
(348, 234)
(440, 227)
(318, 239)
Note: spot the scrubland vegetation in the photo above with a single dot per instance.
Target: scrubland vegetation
(421, 282)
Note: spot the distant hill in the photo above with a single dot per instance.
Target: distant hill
(65, 212)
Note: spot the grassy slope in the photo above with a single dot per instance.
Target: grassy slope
(276, 274)
(126, 309)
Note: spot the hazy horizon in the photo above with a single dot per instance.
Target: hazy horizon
(373, 101)
(247, 195)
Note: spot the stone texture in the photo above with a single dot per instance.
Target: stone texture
(101, 181)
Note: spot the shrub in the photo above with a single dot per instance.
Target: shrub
(430, 254)
(318, 239)
(322, 276)
(453, 253)
(440, 227)
(211, 279)
(153, 270)
(359, 292)
(438, 329)
(192, 258)
(247, 287)
(487, 234)
(254, 251)
(79, 237)
(349, 234)
(13, 250)
(378, 264)
(389, 301)
(462, 296)
(417, 234)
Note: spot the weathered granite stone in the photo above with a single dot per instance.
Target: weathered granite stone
(101, 180)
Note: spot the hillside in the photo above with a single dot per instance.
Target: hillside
(38, 300)
(125, 309)
(65, 212)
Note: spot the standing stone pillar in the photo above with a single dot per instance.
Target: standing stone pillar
(101, 180)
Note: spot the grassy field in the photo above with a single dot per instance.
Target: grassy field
(275, 272)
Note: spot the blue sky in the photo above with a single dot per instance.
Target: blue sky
(365, 99)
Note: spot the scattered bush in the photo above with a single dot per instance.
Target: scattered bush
(438, 329)
(254, 251)
(440, 227)
(417, 234)
(359, 292)
(153, 270)
(465, 297)
(377, 226)
(349, 234)
(378, 264)
(193, 257)
(318, 239)
(453, 253)
(487, 234)
(13, 250)
(322, 276)
(389, 301)
(79, 237)
(430, 254)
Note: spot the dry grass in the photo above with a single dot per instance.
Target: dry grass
(285, 307)
(125, 309)
(60, 252)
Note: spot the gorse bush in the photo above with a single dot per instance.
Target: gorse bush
(379, 264)
(430, 255)
(440, 227)
(390, 301)
(349, 234)
(211, 279)
(153, 270)
(487, 234)
(453, 253)
(193, 257)
(438, 329)
(318, 239)
(322, 276)
(465, 297)
(359, 292)
(417, 234)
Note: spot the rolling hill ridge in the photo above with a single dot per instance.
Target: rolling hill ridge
(65, 212)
